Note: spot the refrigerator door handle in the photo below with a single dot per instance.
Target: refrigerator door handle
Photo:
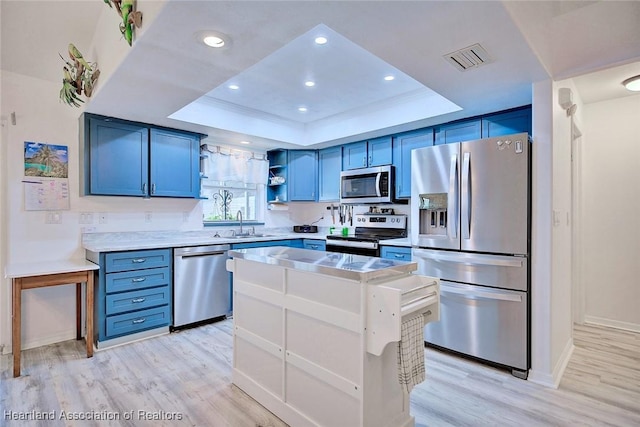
(466, 197)
(452, 202)
(479, 294)
(470, 259)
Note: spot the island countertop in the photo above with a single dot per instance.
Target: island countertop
(346, 266)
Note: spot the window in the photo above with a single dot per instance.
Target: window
(235, 180)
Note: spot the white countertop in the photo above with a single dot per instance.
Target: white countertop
(27, 269)
(127, 241)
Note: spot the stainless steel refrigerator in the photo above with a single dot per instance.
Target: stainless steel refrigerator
(470, 226)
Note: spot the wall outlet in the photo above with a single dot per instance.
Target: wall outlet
(102, 217)
(53, 217)
(86, 218)
(147, 216)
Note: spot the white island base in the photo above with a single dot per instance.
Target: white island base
(315, 339)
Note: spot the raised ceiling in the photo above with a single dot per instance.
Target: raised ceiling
(167, 68)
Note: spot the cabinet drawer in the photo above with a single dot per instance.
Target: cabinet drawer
(137, 300)
(316, 245)
(136, 260)
(397, 253)
(138, 321)
(136, 280)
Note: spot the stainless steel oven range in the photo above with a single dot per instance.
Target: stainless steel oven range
(370, 229)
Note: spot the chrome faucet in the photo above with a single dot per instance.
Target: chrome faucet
(239, 218)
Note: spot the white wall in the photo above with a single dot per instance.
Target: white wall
(610, 232)
(551, 326)
(48, 313)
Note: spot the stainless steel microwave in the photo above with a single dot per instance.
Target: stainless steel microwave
(367, 186)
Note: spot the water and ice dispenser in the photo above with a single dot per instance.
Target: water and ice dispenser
(433, 214)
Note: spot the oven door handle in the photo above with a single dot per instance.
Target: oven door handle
(352, 244)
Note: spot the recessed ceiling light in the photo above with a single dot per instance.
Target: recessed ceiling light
(302, 109)
(632, 83)
(213, 41)
(234, 87)
(309, 83)
(245, 142)
(389, 78)
(321, 40)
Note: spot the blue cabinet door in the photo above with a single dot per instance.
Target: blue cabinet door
(379, 151)
(303, 175)
(507, 123)
(467, 130)
(175, 164)
(329, 167)
(118, 158)
(354, 155)
(402, 146)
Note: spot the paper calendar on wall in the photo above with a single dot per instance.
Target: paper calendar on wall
(46, 194)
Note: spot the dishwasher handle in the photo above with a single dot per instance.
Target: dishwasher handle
(196, 251)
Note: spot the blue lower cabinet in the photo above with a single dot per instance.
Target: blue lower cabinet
(315, 244)
(138, 300)
(398, 253)
(137, 321)
(134, 294)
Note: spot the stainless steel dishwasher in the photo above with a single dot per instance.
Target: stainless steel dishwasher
(201, 285)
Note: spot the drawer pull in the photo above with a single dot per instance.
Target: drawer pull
(399, 255)
(136, 300)
(140, 320)
(139, 279)
(138, 260)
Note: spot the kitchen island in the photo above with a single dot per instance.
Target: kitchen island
(316, 333)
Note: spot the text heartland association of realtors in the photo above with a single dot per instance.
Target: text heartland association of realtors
(139, 415)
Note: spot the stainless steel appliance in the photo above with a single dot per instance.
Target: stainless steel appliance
(470, 226)
(368, 185)
(370, 229)
(201, 285)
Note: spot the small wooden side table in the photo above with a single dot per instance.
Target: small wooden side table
(42, 274)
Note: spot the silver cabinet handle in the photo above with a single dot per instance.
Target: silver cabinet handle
(137, 300)
(370, 159)
(471, 259)
(364, 161)
(144, 188)
(452, 203)
(138, 260)
(480, 294)
(466, 196)
(139, 279)
(140, 320)
(399, 255)
(153, 188)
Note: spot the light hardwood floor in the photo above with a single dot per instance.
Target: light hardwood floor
(189, 373)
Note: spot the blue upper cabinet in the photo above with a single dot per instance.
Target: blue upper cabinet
(402, 146)
(121, 158)
(379, 151)
(354, 155)
(507, 123)
(116, 159)
(303, 175)
(466, 130)
(375, 152)
(329, 167)
(175, 164)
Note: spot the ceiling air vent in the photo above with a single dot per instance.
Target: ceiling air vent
(469, 57)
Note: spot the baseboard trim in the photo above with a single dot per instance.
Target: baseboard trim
(138, 336)
(552, 380)
(40, 342)
(600, 321)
